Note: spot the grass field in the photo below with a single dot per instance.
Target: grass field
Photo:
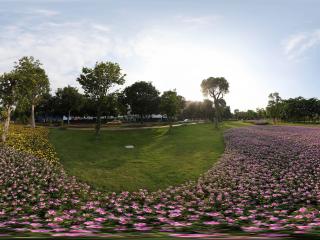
(159, 159)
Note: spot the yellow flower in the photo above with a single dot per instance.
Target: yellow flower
(33, 141)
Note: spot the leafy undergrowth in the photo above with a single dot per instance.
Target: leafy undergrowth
(267, 183)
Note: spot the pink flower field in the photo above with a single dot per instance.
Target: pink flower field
(267, 183)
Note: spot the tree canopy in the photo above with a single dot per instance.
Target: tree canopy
(142, 98)
(97, 83)
(69, 99)
(216, 88)
(171, 104)
(9, 96)
(34, 82)
(274, 108)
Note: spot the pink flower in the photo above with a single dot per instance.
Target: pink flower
(211, 223)
(302, 210)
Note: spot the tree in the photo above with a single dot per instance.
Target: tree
(48, 107)
(226, 113)
(8, 98)
(69, 99)
(274, 106)
(300, 109)
(215, 88)
(97, 83)
(171, 104)
(108, 106)
(34, 82)
(143, 98)
(121, 103)
(261, 113)
(236, 114)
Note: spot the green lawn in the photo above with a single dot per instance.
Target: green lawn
(159, 159)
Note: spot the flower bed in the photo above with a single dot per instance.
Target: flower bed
(267, 183)
(33, 141)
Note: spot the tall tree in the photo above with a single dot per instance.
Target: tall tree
(171, 104)
(8, 98)
(215, 88)
(274, 106)
(97, 83)
(143, 98)
(69, 99)
(34, 82)
(236, 114)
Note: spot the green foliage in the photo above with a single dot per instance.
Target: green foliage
(108, 106)
(216, 88)
(260, 113)
(9, 96)
(293, 109)
(205, 110)
(34, 83)
(97, 83)
(171, 104)
(68, 99)
(8, 89)
(300, 109)
(49, 106)
(198, 110)
(121, 103)
(143, 98)
(274, 106)
(33, 79)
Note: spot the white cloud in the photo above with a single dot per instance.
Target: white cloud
(45, 12)
(30, 12)
(102, 28)
(167, 58)
(297, 45)
(63, 48)
(199, 20)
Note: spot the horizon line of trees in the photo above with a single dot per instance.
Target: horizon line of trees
(298, 109)
(25, 95)
(26, 91)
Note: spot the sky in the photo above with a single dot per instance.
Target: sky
(259, 46)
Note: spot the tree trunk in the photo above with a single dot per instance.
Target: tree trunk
(6, 124)
(216, 125)
(170, 124)
(216, 117)
(98, 125)
(69, 117)
(33, 121)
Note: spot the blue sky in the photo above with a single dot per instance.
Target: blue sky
(258, 46)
